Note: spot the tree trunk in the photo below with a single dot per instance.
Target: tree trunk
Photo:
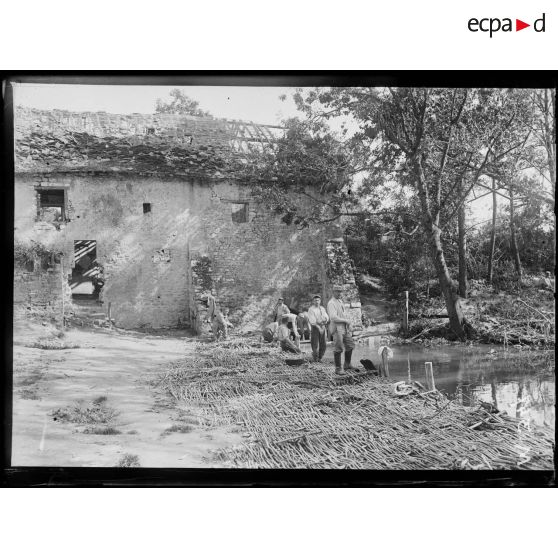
(462, 247)
(513, 239)
(446, 285)
(492, 233)
(430, 224)
(550, 144)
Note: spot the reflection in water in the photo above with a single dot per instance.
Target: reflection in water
(523, 385)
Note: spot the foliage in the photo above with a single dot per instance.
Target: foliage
(180, 428)
(308, 162)
(95, 413)
(47, 343)
(400, 260)
(179, 103)
(102, 431)
(128, 460)
(29, 251)
(440, 144)
(403, 165)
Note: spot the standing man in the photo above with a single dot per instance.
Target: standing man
(219, 324)
(340, 328)
(317, 318)
(280, 309)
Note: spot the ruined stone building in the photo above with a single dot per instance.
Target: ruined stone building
(143, 214)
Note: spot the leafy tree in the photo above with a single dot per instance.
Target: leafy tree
(307, 162)
(437, 147)
(544, 139)
(179, 103)
(437, 142)
(527, 151)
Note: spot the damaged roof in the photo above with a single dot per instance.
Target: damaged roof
(162, 144)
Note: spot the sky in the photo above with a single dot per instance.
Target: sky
(256, 104)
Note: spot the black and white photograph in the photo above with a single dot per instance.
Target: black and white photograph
(297, 277)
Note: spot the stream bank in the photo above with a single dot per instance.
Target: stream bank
(106, 398)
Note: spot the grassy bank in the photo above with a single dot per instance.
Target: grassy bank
(521, 316)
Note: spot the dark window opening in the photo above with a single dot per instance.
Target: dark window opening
(147, 208)
(51, 206)
(87, 275)
(239, 212)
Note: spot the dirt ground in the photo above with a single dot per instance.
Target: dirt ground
(119, 368)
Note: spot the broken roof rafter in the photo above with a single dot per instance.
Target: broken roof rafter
(177, 145)
(170, 126)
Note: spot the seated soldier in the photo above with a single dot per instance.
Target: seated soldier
(283, 335)
(269, 332)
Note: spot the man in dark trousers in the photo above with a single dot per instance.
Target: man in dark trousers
(341, 330)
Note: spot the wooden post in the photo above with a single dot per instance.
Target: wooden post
(409, 369)
(406, 313)
(385, 365)
(431, 386)
(108, 312)
(62, 285)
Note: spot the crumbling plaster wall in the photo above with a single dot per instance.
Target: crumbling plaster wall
(146, 287)
(250, 263)
(158, 265)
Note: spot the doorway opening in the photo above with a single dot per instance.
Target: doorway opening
(87, 277)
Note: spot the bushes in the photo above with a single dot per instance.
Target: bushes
(96, 413)
(402, 264)
(27, 253)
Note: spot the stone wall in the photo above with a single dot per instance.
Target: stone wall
(195, 238)
(252, 263)
(157, 265)
(42, 293)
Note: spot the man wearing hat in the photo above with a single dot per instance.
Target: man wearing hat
(318, 319)
(280, 309)
(341, 330)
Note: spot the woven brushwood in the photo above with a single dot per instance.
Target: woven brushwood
(306, 417)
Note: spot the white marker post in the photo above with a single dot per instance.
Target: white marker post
(429, 376)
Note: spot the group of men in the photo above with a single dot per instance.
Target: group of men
(335, 321)
(285, 326)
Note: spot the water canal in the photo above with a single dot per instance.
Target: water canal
(522, 383)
